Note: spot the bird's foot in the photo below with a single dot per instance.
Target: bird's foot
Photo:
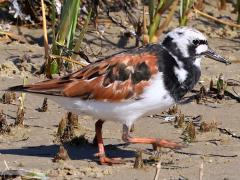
(104, 160)
(166, 144)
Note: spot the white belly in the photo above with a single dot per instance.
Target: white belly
(155, 99)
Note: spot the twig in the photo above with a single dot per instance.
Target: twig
(210, 155)
(228, 132)
(96, 54)
(215, 19)
(235, 92)
(20, 140)
(13, 36)
(233, 83)
(23, 139)
(68, 52)
(226, 93)
(6, 165)
(66, 59)
(82, 34)
(130, 16)
(114, 20)
(231, 95)
(158, 168)
(201, 171)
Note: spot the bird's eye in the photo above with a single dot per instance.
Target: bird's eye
(196, 42)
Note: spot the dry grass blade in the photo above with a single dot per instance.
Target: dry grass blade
(228, 132)
(21, 174)
(13, 36)
(144, 21)
(67, 59)
(238, 9)
(158, 169)
(167, 21)
(46, 46)
(201, 171)
(81, 36)
(208, 155)
(215, 19)
(145, 30)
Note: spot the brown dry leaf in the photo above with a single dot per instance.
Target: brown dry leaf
(173, 110)
(189, 132)
(206, 127)
(138, 164)
(179, 120)
(4, 128)
(44, 107)
(8, 97)
(20, 117)
(61, 155)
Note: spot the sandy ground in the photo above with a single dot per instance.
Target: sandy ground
(33, 147)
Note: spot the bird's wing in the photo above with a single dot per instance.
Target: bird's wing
(120, 77)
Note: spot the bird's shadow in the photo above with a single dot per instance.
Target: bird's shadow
(80, 152)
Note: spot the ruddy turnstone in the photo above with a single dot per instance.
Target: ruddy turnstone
(131, 84)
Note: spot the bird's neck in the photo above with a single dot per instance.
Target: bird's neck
(181, 74)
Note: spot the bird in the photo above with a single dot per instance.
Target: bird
(134, 83)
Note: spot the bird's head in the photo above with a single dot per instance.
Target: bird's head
(184, 42)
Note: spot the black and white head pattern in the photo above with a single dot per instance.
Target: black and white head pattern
(185, 42)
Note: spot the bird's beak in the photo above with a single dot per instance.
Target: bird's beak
(215, 56)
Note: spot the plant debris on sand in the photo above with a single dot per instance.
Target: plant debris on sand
(208, 121)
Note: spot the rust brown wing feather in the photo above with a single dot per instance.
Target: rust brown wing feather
(118, 78)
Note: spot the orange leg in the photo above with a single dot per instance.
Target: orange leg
(101, 154)
(156, 142)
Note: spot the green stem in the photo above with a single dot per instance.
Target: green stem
(151, 9)
(81, 36)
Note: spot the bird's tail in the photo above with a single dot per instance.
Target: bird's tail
(19, 88)
(48, 87)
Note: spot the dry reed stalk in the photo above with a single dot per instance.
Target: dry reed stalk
(201, 171)
(67, 59)
(158, 168)
(215, 19)
(167, 21)
(46, 46)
